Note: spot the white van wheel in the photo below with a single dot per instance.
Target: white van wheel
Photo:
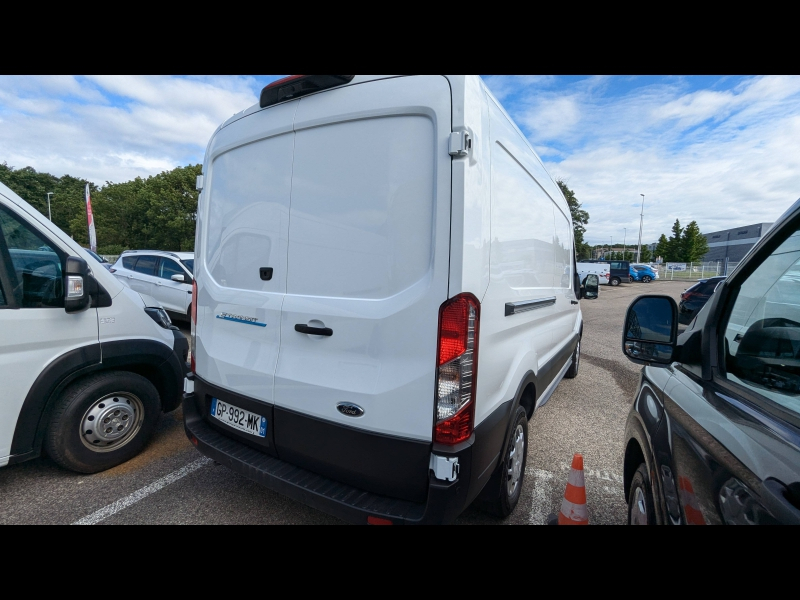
(102, 421)
(505, 486)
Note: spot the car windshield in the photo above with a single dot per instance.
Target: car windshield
(189, 264)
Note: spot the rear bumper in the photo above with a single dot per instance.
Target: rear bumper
(322, 488)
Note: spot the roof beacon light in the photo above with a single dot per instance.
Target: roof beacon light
(295, 86)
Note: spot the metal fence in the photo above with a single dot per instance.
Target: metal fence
(694, 271)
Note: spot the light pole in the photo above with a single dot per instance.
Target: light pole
(48, 205)
(641, 221)
(611, 249)
(624, 237)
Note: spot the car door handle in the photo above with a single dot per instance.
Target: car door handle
(313, 330)
(573, 301)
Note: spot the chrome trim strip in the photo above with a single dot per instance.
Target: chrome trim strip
(513, 308)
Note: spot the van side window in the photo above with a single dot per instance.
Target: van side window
(36, 264)
(2, 296)
(762, 336)
(146, 265)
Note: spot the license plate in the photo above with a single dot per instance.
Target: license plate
(239, 418)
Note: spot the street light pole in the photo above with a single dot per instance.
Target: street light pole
(49, 216)
(641, 221)
(611, 250)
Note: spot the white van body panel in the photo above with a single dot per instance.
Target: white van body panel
(22, 363)
(531, 260)
(471, 208)
(602, 270)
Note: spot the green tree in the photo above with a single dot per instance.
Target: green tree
(675, 243)
(693, 243)
(662, 249)
(579, 220)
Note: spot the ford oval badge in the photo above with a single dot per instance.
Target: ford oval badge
(350, 409)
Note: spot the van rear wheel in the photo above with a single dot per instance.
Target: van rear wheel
(505, 487)
(102, 421)
(615, 281)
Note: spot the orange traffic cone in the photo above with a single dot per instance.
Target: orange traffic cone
(573, 508)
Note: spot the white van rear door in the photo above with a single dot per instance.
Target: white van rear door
(368, 255)
(244, 224)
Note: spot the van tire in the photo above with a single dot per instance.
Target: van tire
(572, 372)
(501, 500)
(67, 440)
(615, 281)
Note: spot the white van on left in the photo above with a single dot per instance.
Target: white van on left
(87, 364)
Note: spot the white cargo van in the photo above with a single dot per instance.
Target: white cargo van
(385, 292)
(87, 365)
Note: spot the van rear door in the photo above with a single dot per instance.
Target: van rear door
(244, 224)
(368, 261)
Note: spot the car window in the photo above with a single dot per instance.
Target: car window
(168, 268)
(762, 336)
(37, 265)
(146, 265)
(189, 262)
(128, 262)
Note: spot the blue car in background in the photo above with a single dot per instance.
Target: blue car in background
(643, 273)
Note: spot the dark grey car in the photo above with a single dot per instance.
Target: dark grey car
(713, 435)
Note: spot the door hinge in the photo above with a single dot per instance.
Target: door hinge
(460, 143)
(444, 467)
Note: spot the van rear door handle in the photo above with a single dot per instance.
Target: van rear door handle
(313, 330)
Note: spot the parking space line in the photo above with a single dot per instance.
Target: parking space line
(142, 493)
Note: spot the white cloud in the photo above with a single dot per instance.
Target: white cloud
(114, 128)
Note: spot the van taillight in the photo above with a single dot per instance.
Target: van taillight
(192, 344)
(295, 86)
(457, 368)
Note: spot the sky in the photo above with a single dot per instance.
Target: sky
(722, 151)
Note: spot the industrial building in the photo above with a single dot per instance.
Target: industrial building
(732, 244)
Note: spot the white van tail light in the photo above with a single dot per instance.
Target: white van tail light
(192, 343)
(457, 355)
(295, 86)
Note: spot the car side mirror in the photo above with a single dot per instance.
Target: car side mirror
(180, 278)
(651, 330)
(591, 287)
(77, 285)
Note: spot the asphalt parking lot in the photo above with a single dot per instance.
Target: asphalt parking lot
(170, 482)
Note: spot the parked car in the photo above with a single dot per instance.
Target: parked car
(166, 276)
(713, 435)
(98, 258)
(643, 273)
(87, 365)
(620, 270)
(350, 349)
(695, 297)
